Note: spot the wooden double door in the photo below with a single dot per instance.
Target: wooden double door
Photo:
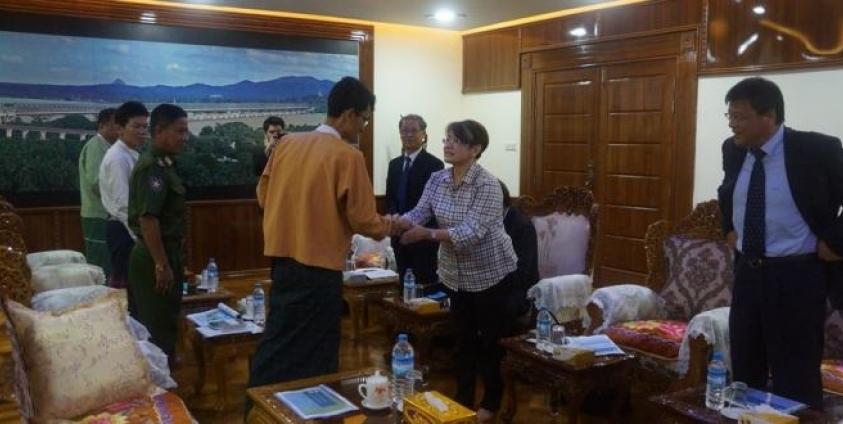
(618, 117)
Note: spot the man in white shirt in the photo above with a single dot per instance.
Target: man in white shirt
(115, 170)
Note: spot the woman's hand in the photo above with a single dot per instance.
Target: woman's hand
(415, 234)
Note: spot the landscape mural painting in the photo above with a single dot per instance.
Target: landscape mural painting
(52, 87)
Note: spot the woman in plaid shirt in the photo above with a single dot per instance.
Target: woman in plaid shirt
(476, 259)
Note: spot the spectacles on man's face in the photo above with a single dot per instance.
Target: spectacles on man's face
(736, 117)
(365, 119)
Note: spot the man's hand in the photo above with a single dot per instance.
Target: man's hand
(415, 234)
(163, 278)
(732, 240)
(399, 224)
(826, 254)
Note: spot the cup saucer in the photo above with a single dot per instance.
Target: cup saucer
(375, 407)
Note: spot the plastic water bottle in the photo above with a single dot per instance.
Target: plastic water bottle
(716, 382)
(213, 276)
(543, 324)
(403, 358)
(259, 310)
(409, 286)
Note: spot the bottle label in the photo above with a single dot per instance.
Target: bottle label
(400, 366)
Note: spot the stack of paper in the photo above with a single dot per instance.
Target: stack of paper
(221, 320)
(600, 344)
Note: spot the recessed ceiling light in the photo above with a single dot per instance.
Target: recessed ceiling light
(578, 32)
(148, 17)
(445, 16)
(759, 10)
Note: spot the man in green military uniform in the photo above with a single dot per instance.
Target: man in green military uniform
(156, 215)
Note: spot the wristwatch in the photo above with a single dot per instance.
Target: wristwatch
(159, 268)
(433, 234)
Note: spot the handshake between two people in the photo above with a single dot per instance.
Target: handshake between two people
(409, 232)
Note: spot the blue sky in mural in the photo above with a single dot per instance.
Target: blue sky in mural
(67, 60)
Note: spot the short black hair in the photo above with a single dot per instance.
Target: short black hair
(349, 93)
(471, 133)
(762, 94)
(273, 120)
(507, 200)
(164, 115)
(413, 117)
(105, 116)
(129, 110)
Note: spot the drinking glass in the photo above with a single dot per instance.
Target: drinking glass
(735, 394)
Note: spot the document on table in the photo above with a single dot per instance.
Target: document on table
(316, 402)
(600, 344)
(374, 273)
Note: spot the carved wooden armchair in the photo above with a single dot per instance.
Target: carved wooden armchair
(565, 223)
(38, 372)
(673, 321)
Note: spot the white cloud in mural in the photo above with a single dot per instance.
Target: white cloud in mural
(173, 67)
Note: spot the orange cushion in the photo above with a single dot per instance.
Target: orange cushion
(832, 372)
(164, 408)
(655, 337)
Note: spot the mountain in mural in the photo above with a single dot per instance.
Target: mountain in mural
(277, 90)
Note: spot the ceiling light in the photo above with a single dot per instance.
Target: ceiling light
(759, 10)
(578, 32)
(148, 17)
(445, 16)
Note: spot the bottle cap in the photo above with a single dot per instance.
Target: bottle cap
(717, 356)
(402, 337)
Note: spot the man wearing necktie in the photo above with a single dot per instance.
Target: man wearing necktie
(405, 183)
(780, 201)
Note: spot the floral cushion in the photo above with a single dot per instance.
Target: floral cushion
(562, 244)
(699, 276)
(654, 337)
(164, 408)
(832, 372)
(79, 360)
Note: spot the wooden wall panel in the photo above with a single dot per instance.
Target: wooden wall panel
(771, 34)
(490, 61)
(626, 221)
(649, 16)
(229, 230)
(568, 29)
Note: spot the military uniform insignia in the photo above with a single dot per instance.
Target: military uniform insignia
(156, 184)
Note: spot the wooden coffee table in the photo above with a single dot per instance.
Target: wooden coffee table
(400, 318)
(688, 406)
(220, 351)
(524, 362)
(359, 295)
(268, 409)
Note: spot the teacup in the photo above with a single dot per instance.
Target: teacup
(375, 391)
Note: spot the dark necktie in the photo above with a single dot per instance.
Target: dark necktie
(402, 186)
(754, 227)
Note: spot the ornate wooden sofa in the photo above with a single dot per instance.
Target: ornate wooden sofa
(16, 364)
(667, 322)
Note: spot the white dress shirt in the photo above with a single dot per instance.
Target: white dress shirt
(115, 171)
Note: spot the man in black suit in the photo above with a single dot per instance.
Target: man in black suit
(405, 183)
(521, 230)
(780, 199)
(273, 130)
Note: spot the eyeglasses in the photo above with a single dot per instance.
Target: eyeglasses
(365, 119)
(734, 117)
(453, 141)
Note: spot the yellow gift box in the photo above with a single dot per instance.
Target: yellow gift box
(417, 410)
(767, 418)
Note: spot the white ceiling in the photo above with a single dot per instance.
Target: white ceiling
(412, 12)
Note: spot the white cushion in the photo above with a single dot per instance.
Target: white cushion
(51, 277)
(54, 257)
(61, 299)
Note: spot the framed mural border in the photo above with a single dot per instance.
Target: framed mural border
(186, 15)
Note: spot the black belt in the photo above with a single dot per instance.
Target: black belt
(773, 260)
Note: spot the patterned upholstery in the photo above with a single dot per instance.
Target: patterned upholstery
(659, 338)
(699, 276)
(164, 408)
(562, 243)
